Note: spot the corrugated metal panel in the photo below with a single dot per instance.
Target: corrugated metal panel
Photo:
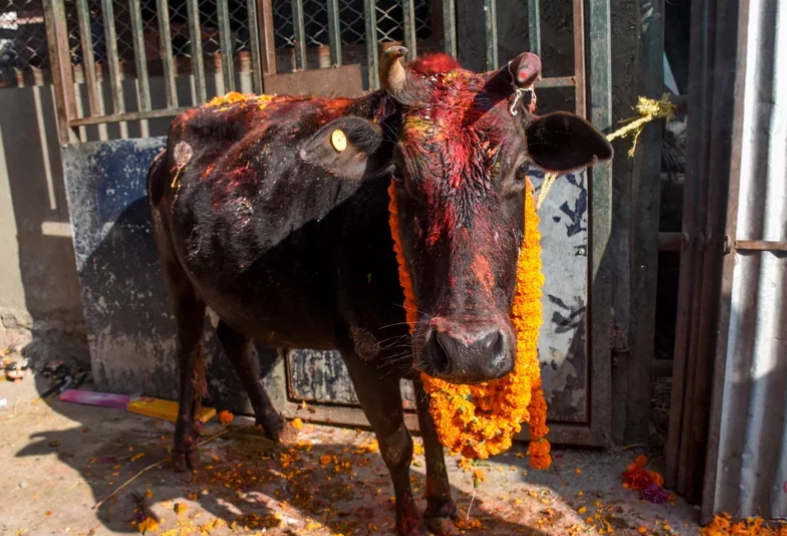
(746, 472)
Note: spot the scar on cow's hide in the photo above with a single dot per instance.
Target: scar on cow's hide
(366, 345)
(182, 155)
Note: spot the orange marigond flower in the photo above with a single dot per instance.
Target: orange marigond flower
(478, 421)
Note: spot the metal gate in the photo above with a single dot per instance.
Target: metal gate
(120, 68)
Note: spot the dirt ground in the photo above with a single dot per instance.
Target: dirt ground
(58, 459)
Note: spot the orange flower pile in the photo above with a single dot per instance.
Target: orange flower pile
(635, 476)
(722, 525)
(479, 421)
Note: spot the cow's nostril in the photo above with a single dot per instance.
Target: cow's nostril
(440, 361)
(492, 343)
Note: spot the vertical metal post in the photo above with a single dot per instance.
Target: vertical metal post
(409, 28)
(267, 38)
(300, 34)
(60, 61)
(225, 41)
(167, 61)
(88, 58)
(534, 25)
(254, 45)
(600, 188)
(140, 57)
(110, 35)
(334, 32)
(372, 54)
(580, 91)
(197, 62)
(490, 19)
(449, 27)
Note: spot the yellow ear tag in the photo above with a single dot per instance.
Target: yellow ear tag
(338, 140)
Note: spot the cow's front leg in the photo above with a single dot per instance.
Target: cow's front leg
(381, 400)
(440, 511)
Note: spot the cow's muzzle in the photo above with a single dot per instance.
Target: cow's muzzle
(465, 351)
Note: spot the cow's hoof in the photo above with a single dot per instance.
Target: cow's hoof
(443, 526)
(440, 517)
(286, 435)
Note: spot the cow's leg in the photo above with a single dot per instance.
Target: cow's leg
(190, 320)
(189, 311)
(381, 400)
(440, 509)
(239, 350)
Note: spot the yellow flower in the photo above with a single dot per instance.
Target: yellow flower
(147, 524)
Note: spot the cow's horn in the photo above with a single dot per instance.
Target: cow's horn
(397, 79)
(392, 73)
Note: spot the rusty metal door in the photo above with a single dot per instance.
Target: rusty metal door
(120, 68)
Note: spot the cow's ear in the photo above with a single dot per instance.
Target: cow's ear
(348, 147)
(563, 142)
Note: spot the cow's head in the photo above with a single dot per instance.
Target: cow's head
(460, 162)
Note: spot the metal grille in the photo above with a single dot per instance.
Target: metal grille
(390, 22)
(23, 45)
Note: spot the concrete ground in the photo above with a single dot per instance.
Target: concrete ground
(58, 459)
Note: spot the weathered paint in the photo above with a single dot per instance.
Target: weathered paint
(131, 331)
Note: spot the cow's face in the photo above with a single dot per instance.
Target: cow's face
(464, 149)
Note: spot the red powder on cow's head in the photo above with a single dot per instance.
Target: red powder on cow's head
(436, 63)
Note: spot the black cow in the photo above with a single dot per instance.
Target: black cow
(273, 211)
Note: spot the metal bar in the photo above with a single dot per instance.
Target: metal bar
(725, 388)
(167, 61)
(556, 81)
(760, 245)
(580, 91)
(449, 27)
(254, 45)
(372, 54)
(88, 58)
(140, 57)
(60, 61)
(409, 28)
(267, 38)
(534, 25)
(672, 241)
(490, 25)
(300, 34)
(118, 105)
(644, 229)
(197, 62)
(127, 116)
(334, 32)
(225, 41)
(600, 189)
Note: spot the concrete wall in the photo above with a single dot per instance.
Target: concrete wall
(38, 284)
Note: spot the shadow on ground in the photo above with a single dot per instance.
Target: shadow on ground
(65, 457)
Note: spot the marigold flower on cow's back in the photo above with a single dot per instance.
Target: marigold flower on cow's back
(478, 421)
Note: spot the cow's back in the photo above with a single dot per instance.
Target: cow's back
(272, 244)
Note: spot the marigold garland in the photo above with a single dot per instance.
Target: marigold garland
(478, 421)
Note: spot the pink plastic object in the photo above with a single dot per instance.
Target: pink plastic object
(93, 398)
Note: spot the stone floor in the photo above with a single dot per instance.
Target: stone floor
(59, 459)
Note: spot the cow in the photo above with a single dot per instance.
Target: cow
(274, 212)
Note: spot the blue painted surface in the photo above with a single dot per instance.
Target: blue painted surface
(131, 330)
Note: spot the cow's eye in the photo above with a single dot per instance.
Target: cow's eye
(521, 171)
